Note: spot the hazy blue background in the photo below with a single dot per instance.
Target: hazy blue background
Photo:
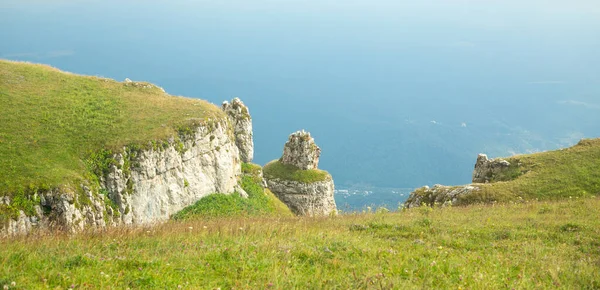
(398, 94)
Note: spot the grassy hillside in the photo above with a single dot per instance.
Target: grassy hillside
(528, 245)
(52, 122)
(571, 172)
(565, 173)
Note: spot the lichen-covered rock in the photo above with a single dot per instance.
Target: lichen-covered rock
(306, 199)
(438, 195)
(486, 169)
(242, 127)
(301, 151)
(304, 196)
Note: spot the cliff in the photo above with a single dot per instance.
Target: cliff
(78, 152)
(566, 173)
(296, 180)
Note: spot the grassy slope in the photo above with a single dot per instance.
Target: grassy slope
(276, 169)
(570, 172)
(51, 121)
(528, 245)
(260, 201)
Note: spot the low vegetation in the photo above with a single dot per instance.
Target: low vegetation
(53, 123)
(566, 173)
(526, 245)
(276, 169)
(260, 201)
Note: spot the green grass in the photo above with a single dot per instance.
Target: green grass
(565, 173)
(53, 122)
(571, 172)
(252, 169)
(276, 169)
(528, 245)
(260, 201)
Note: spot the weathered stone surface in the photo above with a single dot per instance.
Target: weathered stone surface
(439, 194)
(23, 224)
(308, 199)
(301, 151)
(165, 181)
(64, 211)
(144, 187)
(303, 198)
(242, 128)
(486, 169)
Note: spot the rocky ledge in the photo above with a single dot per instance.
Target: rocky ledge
(438, 195)
(486, 171)
(239, 115)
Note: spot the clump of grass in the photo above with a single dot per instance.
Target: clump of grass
(276, 169)
(474, 247)
(252, 169)
(53, 123)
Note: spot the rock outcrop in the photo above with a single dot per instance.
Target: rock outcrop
(242, 127)
(142, 186)
(62, 210)
(486, 169)
(310, 196)
(438, 195)
(163, 181)
(305, 199)
(301, 151)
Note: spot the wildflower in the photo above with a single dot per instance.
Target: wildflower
(204, 227)
(241, 229)
(433, 263)
(13, 283)
(190, 228)
(5, 287)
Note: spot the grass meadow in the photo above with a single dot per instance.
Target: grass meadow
(526, 245)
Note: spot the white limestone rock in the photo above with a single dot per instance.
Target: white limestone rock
(486, 169)
(143, 187)
(309, 199)
(164, 181)
(241, 120)
(306, 199)
(301, 151)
